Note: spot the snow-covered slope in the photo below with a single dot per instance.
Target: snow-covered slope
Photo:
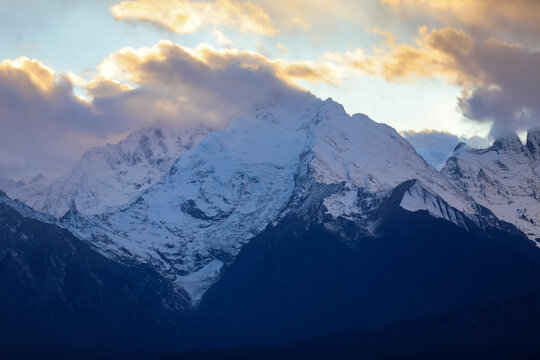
(25, 210)
(504, 178)
(111, 175)
(32, 189)
(237, 181)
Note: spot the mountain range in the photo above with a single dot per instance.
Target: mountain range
(293, 222)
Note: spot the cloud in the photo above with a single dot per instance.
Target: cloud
(435, 146)
(204, 85)
(282, 48)
(508, 20)
(500, 81)
(216, 71)
(42, 121)
(509, 91)
(166, 85)
(436, 53)
(184, 16)
(321, 17)
(167, 62)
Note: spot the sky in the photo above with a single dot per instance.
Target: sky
(81, 73)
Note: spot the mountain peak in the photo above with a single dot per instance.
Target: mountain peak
(462, 146)
(330, 103)
(510, 142)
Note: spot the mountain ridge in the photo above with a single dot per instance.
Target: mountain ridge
(215, 197)
(503, 178)
(228, 185)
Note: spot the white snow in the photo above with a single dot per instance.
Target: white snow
(341, 203)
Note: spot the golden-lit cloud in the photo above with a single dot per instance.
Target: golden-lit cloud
(441, 52)
(516, 19)
(28, 70)
(164, 63)
(320, 16)
(499, 80)
(104, 88)
(185, 16)
(209, 86)
(38, 109)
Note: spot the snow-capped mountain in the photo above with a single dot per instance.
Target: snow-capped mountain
(111, 175)
(294, 221)
(237, 181)
(504, 178)
(187, 202)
